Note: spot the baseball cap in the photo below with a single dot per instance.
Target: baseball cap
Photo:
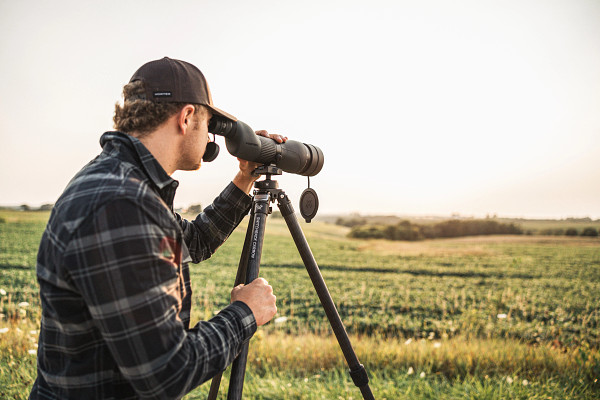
(174, 81)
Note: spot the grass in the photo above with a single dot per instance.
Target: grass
(482, 318)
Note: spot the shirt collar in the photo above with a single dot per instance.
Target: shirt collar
(151, 166)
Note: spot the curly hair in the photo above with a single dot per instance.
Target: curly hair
(142, 116)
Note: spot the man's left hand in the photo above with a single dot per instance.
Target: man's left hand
(244, 179)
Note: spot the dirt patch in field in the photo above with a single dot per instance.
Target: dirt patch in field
(468, 246)
(524, 239)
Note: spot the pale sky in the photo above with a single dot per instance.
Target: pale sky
(420, 107)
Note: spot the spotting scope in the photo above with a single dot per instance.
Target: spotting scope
(292, 156)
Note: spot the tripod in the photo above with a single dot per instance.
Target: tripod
(268, 191)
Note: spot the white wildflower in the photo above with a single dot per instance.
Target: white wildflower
(431, 336)
(22, 312)
(437, 345)
(409, 341)
(33, 332)
(509, 380)
(502, 316)
(422, 375)
(525, 382)
(410, 371)
(32, 351)
(23, 304)
(280, 320)
(2, 292)
(4, 330)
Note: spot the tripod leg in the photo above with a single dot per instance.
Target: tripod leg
(357, 370)
(239, 278)
(260, 211)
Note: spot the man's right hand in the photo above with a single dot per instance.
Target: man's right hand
(258, 295)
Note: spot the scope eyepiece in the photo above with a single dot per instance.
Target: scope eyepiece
(292, 156)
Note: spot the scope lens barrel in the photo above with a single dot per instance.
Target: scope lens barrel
(292, 156)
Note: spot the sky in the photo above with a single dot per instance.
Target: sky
(421, 108)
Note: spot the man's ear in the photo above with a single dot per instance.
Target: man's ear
(185, 118)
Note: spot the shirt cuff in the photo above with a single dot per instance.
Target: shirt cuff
(245, 318)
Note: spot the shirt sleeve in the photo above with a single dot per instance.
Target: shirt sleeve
(212, 227)
(125, 266)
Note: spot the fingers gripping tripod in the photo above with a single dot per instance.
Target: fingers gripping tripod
(268, 191)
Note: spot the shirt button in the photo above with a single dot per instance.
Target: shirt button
(174, 184)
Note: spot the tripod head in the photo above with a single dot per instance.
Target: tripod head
(267, 170)
(309, 202)
(267, 185)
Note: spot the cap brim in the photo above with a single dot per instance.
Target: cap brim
(221, 113)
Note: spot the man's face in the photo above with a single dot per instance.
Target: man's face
(194, 143)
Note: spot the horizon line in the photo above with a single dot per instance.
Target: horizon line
(452, 215)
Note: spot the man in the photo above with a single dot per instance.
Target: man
(113, 261)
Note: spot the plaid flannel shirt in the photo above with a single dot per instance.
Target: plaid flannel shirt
(115, 284)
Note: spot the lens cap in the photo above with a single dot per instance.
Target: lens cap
(309, 203)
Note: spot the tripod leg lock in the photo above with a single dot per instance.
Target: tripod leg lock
(359, 376)
(285, 205)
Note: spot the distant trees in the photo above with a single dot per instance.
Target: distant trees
(195, 209)
(43, 207)
(571, 232)
(351, 221)
(592, 232)
(405, 230)
(368, 232)
(27, 207)
(395, 228)
(456, 228)
(552, 232)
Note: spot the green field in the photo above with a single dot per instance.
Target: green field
(484, 318)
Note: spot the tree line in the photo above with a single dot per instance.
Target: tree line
(406, 230)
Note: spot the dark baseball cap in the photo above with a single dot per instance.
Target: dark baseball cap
(174, 81)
